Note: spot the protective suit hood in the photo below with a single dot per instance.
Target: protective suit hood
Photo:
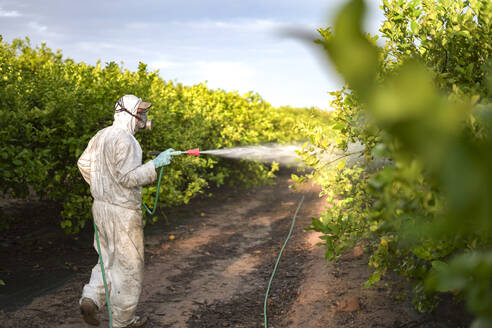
(124, 120)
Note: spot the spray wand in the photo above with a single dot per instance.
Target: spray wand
(194, 152)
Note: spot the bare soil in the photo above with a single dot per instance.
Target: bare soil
(207, 265)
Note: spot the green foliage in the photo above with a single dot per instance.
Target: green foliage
(420, 106)
(51, 107)
(468, 273)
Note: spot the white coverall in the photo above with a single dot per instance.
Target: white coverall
(112, 165)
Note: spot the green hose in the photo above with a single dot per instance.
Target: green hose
(156, 194)
(278, 260)
(99, 248)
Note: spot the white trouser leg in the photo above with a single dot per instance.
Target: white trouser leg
(122, 251)
(95, 288)
(128, 267)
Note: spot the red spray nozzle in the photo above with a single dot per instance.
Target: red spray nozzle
(194, 152)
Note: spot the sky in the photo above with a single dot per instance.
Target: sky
(234, 45)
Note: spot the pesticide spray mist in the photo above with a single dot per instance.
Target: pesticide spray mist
(282, 154)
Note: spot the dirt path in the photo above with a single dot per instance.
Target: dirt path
(210, 264)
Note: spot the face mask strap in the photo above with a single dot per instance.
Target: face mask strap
(120, 103)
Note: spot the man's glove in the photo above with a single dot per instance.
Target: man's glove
(163, 158)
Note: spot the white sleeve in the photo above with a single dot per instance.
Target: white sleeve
(84, 162)
(129, 169)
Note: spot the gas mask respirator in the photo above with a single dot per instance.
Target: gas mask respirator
(143, 122)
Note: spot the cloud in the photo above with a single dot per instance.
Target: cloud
(96, 46)
(225, 72)
(109, 49)
(244, 24)
(248, 24)
(164, 64)
(143, 26)
(228, 75)
(37, 27)
(11, 13)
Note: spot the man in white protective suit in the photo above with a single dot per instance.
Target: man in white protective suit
(112, 166)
